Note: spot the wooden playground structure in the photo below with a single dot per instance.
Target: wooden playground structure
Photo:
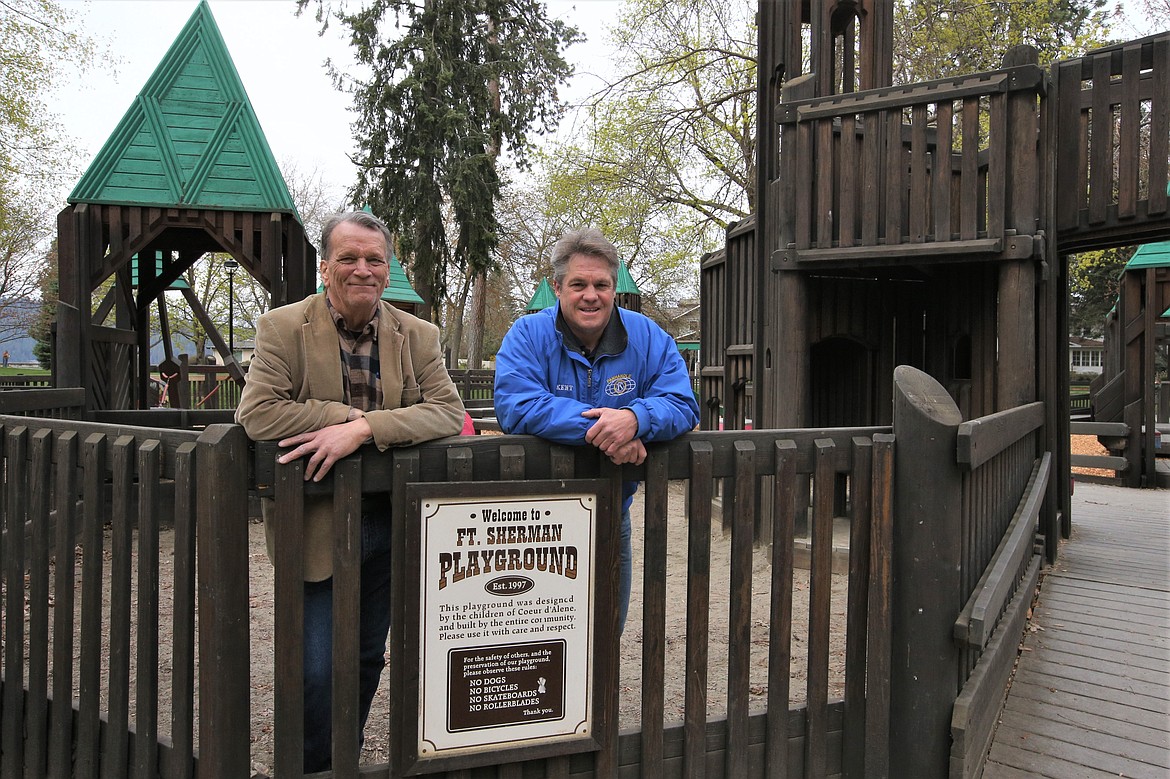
(892, 320)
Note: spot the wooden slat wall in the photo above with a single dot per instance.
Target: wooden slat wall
(741, 326)
(474, 384)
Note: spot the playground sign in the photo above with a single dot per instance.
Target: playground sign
(506, 587)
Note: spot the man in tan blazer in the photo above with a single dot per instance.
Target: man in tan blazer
(333, 372)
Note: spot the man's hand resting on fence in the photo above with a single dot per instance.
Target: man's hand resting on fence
(633, 452)
(326, 446)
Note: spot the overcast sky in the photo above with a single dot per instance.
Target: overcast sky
(280, 59)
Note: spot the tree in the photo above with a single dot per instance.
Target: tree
(36, 45)
(941, 38)
(1158, 14)
(1094, 283)
(25, 226)
(677, 128)
(41, 329)
(315, 199)
(429, 124)
(666, 158)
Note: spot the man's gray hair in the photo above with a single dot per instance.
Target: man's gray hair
(361, 219)
(587, 240)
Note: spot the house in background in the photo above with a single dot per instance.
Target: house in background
(1085, 355)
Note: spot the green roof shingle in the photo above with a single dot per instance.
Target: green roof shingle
(191, 137)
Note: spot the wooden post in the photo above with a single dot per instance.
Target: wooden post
(222, 550)
(181, 391)
(1016, 312)
(69, 345)
(924, 673)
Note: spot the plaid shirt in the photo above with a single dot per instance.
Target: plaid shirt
(361, 376)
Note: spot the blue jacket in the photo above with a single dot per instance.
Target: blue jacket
(542, 386)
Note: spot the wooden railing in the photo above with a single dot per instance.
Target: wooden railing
(1080, 405)
(205, 387)
(54, 403)
(968, 500)
(937, 169)
(1113, 145)
(1110, 432)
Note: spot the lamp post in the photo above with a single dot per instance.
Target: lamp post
(231, 265)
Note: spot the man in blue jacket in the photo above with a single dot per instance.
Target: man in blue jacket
(587, 372)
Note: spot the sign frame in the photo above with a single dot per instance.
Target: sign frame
(603, 565)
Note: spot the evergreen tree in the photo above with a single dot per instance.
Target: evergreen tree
(450, 83)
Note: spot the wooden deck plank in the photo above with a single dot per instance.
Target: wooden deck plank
(1143, 654)
(1150, 642)
(1079, 760)
(1133, 600)
(1092, 719)
(1000, 771)
(1123, 673)
(1091, 688)
(1083, 591)
(1036, 764)
(1072, 702)
(1082, 614)
(1064, 732)
(1061, 641)
(1091, 693)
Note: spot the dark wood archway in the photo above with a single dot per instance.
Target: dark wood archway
(104, 345)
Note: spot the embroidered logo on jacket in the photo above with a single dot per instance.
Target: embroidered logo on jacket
(564, 388)
(619, 385)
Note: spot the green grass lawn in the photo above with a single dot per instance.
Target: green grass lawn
(15, 371)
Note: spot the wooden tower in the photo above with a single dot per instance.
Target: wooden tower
(922, 224)
(187, 171)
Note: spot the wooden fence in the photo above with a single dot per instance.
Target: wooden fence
(82, 507)
(978, 486)
(816, 739)
(25, 381)
(208, 387)
(474, 384)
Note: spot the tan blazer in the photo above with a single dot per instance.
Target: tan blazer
(295, 386)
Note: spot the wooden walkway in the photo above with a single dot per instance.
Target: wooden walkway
(1091, 695)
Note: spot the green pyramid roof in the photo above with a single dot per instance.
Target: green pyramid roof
(191, 137)
(543, 298)
(1150, 255)
(398, 290)
(625, 282)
